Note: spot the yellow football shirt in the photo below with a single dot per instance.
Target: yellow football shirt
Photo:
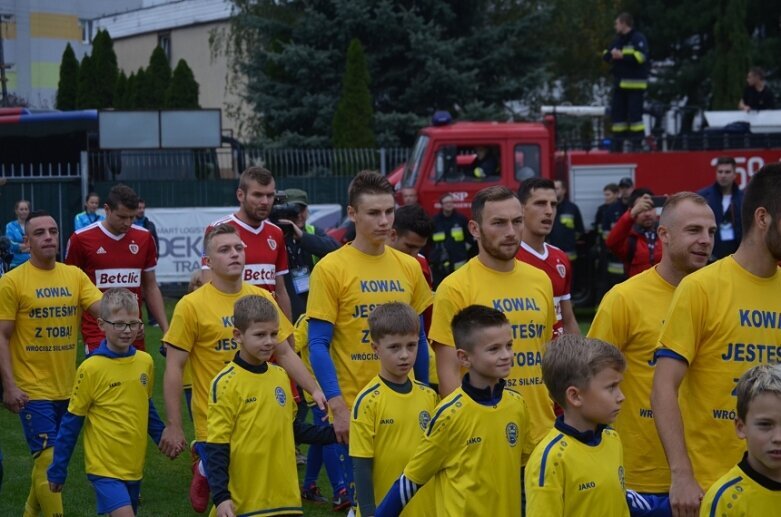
(742, 491)
(525, 295)
(722, 320)
(630, 317)
(202, 325)
(472, 455)
(113, 395)
(566, 477)
(387, 426)
(46, 308)
(346, 285)
(253, 413)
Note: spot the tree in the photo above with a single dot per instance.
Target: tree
(120, 91)
(422, 56)
(158, 77)
(352, 126)
(87, 97)
(130, 92)
(68, 85)
(139, 96)
(731, 54)
(182, 93)
(105, 70)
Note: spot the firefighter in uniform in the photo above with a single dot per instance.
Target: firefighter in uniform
(628, 56)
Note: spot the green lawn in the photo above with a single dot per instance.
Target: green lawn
(166, 483)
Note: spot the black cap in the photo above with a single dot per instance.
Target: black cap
(626, 183)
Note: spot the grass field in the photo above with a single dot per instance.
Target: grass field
(166, 483)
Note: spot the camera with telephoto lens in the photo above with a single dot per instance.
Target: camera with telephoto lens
(281, 209)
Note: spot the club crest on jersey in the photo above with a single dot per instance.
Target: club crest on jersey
(423, 419)
(279, 394)
(561, 270)
(272, 243)
(133, 247)
(144, 379)
(511, 432)
(621, 477)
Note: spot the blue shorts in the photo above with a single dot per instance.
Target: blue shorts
(113, 494)
(41, 422)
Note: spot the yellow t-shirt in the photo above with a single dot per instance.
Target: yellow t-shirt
(253, 413)
(722, 320)
(346, 285)
(525, 295)
(630, 317)
(742, 492)
(300, 336)
(113, 395)
(46, 308)
(387, 426)
(566, 477)
(202, 325)
(472, 455)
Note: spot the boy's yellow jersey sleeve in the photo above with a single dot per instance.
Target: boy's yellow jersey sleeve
(362, 430)
(82, 396)
(543, 482)
(221, 416)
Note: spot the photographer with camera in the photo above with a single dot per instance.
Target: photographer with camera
(305, 244)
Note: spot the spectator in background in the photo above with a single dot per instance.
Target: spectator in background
(614, 211)
(89, 215)
(305, 244)
(726, 200)
(633, 239)
(409, 196)
(451, 240)
(14, 230)
(143, 221)
(756, 95)
(610, 193)
(568, 225)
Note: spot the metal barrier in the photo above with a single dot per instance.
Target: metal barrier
(54, 187)
(213, 164)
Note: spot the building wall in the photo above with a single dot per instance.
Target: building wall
(190, 43)
(36, 36)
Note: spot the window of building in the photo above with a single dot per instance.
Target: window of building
(164, 42)
(86, 30)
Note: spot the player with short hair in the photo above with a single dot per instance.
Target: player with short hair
(722, 320)
(250, 447)
(630, 317)
(41, 303)
(412, 228)
(753, 486)
(264, 242)
(496, 279)
(392, 412)
(539, 201)
(114, 253)
(577, 469)
(112, 401)
(347, 284)
(202, 332)
(476, 440)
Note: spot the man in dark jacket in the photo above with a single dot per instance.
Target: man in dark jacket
(568, 225)
(629, 58)
(451, 240)
(305, 244)
(726, 200)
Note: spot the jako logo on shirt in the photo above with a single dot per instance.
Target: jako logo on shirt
(279, 394)
(105, 278)
(260, 274)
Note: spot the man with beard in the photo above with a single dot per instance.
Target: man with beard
(263, 240)
(630, 317)
(722, 320)
(495, 279)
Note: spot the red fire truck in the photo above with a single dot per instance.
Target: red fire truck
(463, 157)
